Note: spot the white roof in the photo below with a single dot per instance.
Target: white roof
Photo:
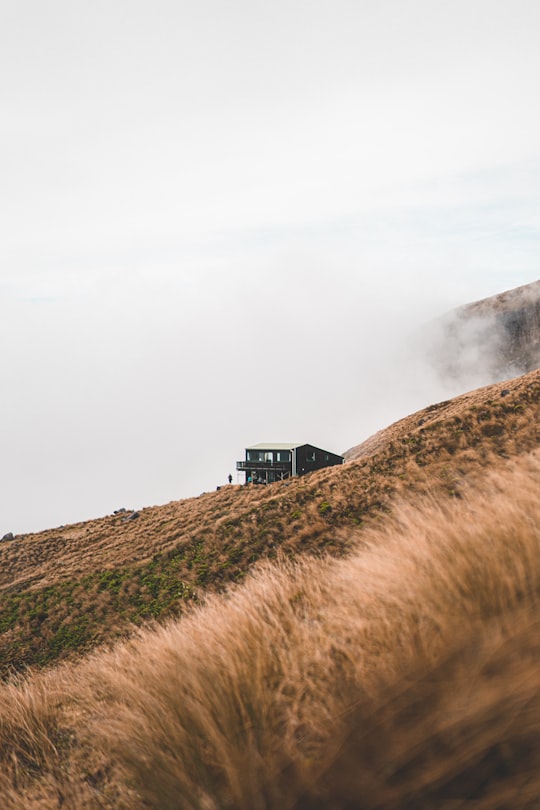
(275, 446)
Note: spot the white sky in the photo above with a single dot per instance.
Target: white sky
(220, 220)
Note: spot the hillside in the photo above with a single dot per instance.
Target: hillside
(402, 675)
(492, 339)
(511, 396)
(68, 590)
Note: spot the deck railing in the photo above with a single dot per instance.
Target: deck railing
(279, 466)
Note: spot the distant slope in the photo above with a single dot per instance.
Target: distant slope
(492, 339)
(67, 590)
(497, 401)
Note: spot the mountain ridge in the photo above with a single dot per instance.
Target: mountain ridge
(488, 340)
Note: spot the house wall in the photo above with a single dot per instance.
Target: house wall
(310, 458)
(267, 465)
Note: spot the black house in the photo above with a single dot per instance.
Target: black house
(266, 463)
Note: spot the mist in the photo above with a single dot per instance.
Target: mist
(222, 224)
(145, 387)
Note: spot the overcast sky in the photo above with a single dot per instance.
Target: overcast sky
(220, 221)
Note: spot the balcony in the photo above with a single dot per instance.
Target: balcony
(262, 466)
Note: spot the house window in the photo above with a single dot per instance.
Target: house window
(283, 455)
(269, 456)
(255, 455)
(311, 456)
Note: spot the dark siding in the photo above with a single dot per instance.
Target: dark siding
(310, 458)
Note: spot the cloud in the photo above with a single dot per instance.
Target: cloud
(221, 222)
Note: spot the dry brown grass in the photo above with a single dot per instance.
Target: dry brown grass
(45, 558)
(506, 404)
(404, 675)
(464, 733)
(68, 591)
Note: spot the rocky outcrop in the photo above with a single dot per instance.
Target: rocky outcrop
(496, 338)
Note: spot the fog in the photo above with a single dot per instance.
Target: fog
(143, 391)
(228, 224)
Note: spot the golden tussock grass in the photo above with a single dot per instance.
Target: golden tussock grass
(70, 590)
(404, 675)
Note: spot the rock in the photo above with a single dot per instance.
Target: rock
(487, 341)
(8, 536)
(505, 392)
(119, 511)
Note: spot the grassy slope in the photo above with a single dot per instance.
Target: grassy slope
(402, 676)
(67, 590)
